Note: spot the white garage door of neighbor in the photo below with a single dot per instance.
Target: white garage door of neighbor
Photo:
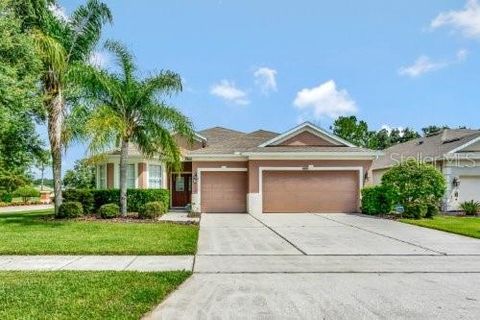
(469, 188)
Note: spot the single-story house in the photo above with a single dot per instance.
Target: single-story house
(305, 169)
(455, 152)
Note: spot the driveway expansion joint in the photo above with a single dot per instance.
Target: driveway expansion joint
(281, 236)
(384, 235)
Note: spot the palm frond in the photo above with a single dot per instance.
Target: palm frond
(86, 25)
(165, 83)
(123, 58)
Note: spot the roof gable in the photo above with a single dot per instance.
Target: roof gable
(307, 134)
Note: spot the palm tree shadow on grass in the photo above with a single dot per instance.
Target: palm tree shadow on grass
(31, 219)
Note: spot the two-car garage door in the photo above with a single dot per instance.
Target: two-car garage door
(310, 191)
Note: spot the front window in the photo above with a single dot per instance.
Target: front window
(101, 177)
(130, 175)
(154, 176)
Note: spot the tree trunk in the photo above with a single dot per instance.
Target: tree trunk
(123, 177)
(55, 125)
(42, 177)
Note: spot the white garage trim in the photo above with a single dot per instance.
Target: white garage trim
(197, 198)
(258, 206)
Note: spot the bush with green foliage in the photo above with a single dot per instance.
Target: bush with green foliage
(5, 197)
(26, 193)
(471, 208)
(377, 200)
(152, 210)
(84, 196)
(419, 187)
(70, 209)
(109, 211)
(136, 198)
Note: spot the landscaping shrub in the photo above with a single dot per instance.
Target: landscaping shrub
(5, 197)
(84, 196)
(471, 208)
(109, 211)
(419, 187)
(152, 210)
(26, 193)
(70, 209)
(136, 198)
(415, 209)
(377, 200)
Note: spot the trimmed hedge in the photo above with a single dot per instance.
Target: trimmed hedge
(70, 209)
(377, 200)
(109, 211)
(92, 200)
(152, 210)
(84, 196)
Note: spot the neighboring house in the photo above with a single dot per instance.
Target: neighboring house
(455, 152)
(305, 169)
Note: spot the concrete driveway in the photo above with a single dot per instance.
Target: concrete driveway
(326, 266)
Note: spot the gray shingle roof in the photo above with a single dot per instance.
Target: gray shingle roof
(239, 143)
(433, 146)
(250, 142)
(218, 134)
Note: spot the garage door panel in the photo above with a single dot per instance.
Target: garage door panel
(469, 188)
(224, 191)
(320, 191)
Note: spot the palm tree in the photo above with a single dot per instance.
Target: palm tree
(127, 109)
(62, 44)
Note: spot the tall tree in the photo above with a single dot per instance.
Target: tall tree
(352, 130)
(429, 130)
(62, 43)
(19, 100)
(82, 176)
(128, 109)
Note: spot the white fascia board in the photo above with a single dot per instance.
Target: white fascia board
(312, 155)
(302, 126)
(218, 157)
(463, 146)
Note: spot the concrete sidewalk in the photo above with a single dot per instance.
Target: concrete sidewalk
(36, 207)
(96, 263)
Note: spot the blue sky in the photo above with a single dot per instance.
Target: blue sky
(270, 64)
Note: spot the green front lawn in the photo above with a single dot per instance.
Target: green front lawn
(83, 295)
(467, 226)
(36, 233)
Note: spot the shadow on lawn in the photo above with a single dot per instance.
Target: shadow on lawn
(31, 218)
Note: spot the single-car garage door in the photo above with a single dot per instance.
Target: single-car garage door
(224, 191)
(310, 191)
(469, 188)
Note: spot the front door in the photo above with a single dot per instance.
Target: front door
(181, 189)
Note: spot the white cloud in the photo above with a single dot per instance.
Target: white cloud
(229, 92)
(462, 55)
(466, 21)
(425, 64)
(325, 100)
(58, 11)
(265, 79)
(99, 59)
(422, 65)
